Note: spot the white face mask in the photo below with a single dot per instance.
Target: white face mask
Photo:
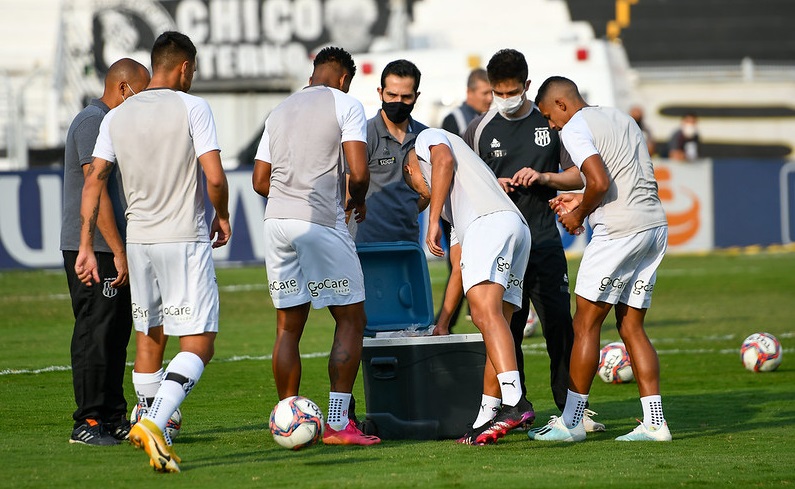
(689, 130)
(508, 106)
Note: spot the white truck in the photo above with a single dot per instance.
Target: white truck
(447, 39)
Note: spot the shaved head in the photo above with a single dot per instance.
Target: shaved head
(124, 78)
(558, 87)
(127, 70)
(559, 99)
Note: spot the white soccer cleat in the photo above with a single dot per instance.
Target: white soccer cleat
(556, 430)
(644, 433)
(589, 423)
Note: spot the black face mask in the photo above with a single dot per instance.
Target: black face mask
(397, 112)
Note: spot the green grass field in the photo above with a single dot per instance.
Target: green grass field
(730, 427)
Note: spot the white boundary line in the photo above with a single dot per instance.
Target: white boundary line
(235, 358)
(534, 349)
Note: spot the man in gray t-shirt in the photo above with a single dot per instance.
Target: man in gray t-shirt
(103, 317)
(165, 145)
(618, 269)
(310, 256)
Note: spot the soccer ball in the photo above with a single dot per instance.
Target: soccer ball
(173, 426)
(532, 324)
(761, 352)
(296, 422)
(614, 364)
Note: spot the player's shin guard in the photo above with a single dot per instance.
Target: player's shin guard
(181, 375)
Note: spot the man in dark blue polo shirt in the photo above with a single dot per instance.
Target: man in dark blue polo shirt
(392, 207)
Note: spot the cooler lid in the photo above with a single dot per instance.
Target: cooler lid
(422, 340)
(397, 286)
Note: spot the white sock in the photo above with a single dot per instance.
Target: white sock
(488, 409)
(652, 411)
(338, 405)
(146, 386)
(182, 374)
(574, 409)
(511, 387)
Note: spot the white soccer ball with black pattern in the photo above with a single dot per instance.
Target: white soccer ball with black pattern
(173, 426)
(614, 364)
(761, 352)
(296, 422)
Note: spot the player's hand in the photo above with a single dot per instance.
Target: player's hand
(433, 238)
(359, 210)
(572, 221)
(122, 272)
(566, 206)
(507, 184)
(86, 267)
(527, 177)
(565, 203)
(220, 232)
(441, 330)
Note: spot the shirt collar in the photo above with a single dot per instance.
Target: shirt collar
(99, 103)
(379, 121)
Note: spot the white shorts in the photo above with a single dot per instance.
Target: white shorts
(173, 284)
(496, 248)
(308, 262)
(622, 269)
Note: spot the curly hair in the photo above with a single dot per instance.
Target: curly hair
(337, 55)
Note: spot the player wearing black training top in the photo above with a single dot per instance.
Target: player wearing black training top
(515, 140)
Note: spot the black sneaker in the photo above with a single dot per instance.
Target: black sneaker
(91, 432)
(471, 436)
(119, 429)
(508, 418)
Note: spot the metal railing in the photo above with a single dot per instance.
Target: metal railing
(747, 70)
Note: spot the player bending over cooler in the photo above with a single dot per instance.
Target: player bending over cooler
(494, 242)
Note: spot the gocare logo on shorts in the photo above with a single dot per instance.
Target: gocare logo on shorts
(139, 312)
(284, 287)
(340, 287)
(640, 286)
(610, 282)
(179, 313)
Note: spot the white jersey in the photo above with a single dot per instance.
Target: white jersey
(156, 137)
(302, 142)
(631, 203)
(474, 192)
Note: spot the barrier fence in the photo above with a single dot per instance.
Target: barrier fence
(710, 204)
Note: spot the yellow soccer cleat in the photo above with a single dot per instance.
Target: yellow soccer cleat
(145, 434)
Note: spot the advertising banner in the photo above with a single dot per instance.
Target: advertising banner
(708, 205)
(242, 44)
(685, 190)
(754, 203)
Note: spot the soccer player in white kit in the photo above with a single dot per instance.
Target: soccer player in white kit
(163, 141)
(494, 241)
(619, 264)
(310, 255)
